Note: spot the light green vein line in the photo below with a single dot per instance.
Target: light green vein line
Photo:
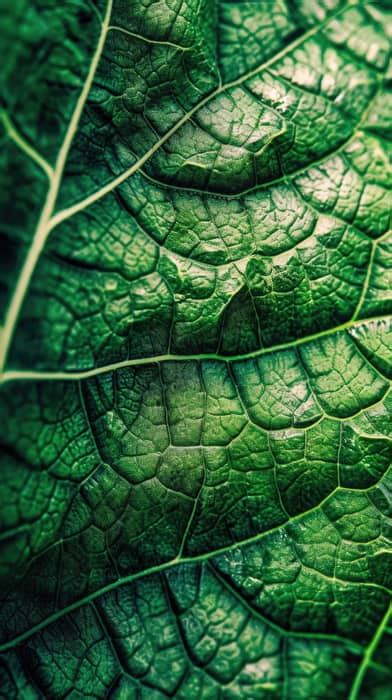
(369, 273)
(357, 648)
(24, 146)
(98, 194)
(32, 375)
(43, 227)
(147, 40)
(176, 561)
(368, 655)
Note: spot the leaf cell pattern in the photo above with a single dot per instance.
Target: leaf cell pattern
(196, 350)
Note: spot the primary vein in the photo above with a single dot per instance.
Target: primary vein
(48, 220)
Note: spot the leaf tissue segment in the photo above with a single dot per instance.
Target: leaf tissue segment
(195, 350)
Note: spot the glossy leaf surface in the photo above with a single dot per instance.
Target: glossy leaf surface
(196, 350)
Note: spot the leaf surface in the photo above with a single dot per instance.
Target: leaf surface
(196, 350)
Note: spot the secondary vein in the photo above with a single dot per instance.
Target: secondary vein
(26, 375)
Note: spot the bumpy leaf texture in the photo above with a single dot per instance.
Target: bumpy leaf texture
(196, 349)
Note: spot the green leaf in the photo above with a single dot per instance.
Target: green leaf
(196, 350)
